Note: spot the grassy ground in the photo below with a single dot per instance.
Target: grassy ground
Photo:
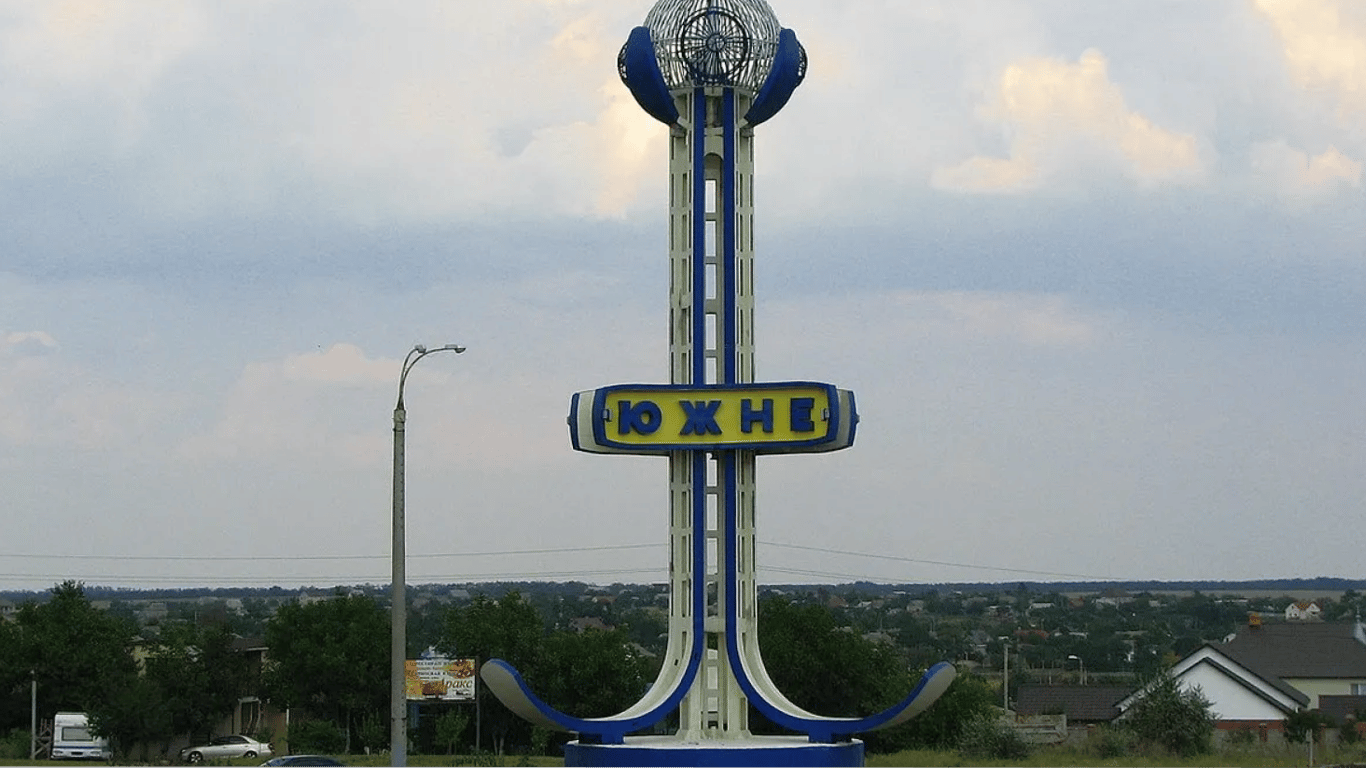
(1252, 757)
(1244, 757)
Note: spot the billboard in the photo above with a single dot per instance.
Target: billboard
(439, 678)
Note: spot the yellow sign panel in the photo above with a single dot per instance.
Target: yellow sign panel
(638, 418)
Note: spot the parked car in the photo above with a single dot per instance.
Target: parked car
(304, 760)
(227, 747)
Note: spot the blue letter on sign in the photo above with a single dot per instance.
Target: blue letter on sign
(801, 414)
(701, 418)
(644, 417)
(748, 415)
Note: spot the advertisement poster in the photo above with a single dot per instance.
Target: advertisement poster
(441, 678)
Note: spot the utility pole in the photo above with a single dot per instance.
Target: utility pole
(1005, 678)
(33, 715)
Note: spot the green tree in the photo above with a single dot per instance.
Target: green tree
(330, 658)
(1306, 723)
(450, 728)
(593, 673)
(944, 725)
(135, 714)
(1172, 716)
(825, 668)
(78, 653)
(509, 629)
(199, 674)
(14, 681)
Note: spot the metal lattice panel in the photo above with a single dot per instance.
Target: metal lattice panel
(714, 42)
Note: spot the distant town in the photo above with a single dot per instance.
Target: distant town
(1050, 629)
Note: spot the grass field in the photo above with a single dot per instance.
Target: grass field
(1247, 757)
(1271, 757)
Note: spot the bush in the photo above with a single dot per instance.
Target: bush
(1173, 717)
(316, 737)
(985, 737)
(1111, 741)
(1242, 737)
(15, 745)
(1347, 732)
(1300, 725)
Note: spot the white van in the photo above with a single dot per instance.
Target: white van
(71, 738)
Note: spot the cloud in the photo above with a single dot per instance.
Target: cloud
(26, 343)
(370, 113)
(1034, 321)
(1295, 175)
(300, 406)
(1324, 49)
(1065, 117)
(45, 400)
(69, 58)
(340, 364)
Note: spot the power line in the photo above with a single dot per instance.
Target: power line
(453, 578)
(334, 580)
(299, 558)
(920, 561)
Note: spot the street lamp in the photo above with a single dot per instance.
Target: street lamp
(1081, 665)
(398, 646)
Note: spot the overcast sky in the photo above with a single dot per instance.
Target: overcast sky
(1096, 273)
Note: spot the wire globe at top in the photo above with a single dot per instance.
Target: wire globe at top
(714, 42)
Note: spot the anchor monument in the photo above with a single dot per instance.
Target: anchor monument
(712, 70)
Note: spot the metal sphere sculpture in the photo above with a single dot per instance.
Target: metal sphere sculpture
(699, 43)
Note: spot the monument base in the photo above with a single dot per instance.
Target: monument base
(754, 750)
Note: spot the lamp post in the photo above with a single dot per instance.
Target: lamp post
(398, 697)
(1080, 665)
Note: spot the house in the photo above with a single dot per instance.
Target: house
(251, 715)
(1322, 658)
(1241, 695)
(1265, 672)
(585, 623)
(1344, 708)
(1303, 611)
(1082, 704)
(1055, 713)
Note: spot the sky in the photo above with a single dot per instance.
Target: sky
(1095, 272)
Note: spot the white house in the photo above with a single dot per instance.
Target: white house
(1266, 671)
(1302, 611)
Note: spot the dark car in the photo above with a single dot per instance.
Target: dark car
(304, 760)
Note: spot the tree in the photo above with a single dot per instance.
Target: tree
(594, 673)
(330, 658)
(824, 668)
(199, 673)
(14, 680)
(78, 653)
(589, 674)
(944, 725)
(1303, 724)
(1172, 716)
(827, 669)
(509, 629)
(134, 714)
(450, 727)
